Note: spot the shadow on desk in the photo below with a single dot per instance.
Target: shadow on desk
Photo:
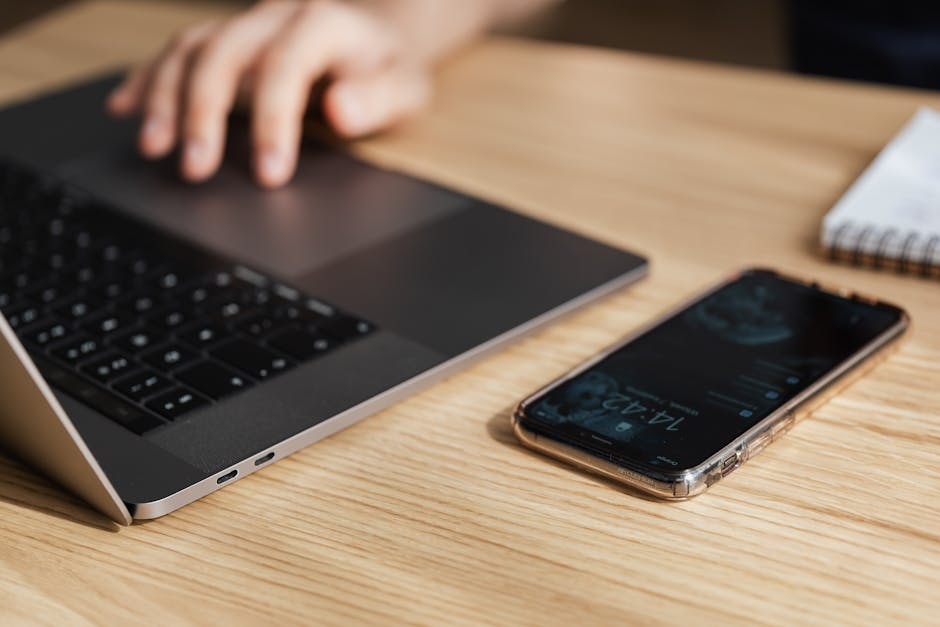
(499, 428)
(22, 487)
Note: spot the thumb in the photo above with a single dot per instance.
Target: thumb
(358, 105)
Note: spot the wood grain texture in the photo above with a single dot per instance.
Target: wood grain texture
(430, 512)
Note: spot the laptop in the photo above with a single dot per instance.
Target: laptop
(160, 340)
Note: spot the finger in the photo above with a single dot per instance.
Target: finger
(161, 104)
(213, 82)
(126, 97)
(362, 105)
(320, 38)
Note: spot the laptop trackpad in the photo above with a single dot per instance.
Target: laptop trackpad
(335, 206)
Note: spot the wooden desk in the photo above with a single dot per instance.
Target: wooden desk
(431, 512)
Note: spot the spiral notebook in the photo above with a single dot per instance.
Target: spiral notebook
(890, 216)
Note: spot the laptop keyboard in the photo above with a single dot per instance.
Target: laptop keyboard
(139, 325)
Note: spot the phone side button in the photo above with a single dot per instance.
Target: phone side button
(759, 442)
(782, 427)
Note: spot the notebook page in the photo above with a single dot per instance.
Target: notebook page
(894, 206)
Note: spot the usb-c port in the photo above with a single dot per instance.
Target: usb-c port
(227, 476)
(264, 459)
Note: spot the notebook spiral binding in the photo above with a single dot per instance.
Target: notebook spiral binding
(850, 244)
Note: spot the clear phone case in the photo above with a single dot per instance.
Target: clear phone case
(683, 484)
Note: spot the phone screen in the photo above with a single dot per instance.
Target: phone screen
(677, 394)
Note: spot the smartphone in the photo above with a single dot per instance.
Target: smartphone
(689, 398)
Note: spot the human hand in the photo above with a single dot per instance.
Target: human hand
(275, 52)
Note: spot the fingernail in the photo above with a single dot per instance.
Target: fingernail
(195, 157)
(152, 128)
(273, 166)
(117, 99)
(354, 110)
(196, 153)
(155, 137)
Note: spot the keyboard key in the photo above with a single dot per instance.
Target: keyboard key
(204, 335)
(75, 310)
(221, 279)
(178, 401)
(250, 276)
(301, 344)
(168, 279)
(57, 261)
(111, 252)
(87, 274)
(213, 379)
(79, 349)
(196, 295)
(109, 367)
(258, 324)
(212, 287)
(286, 292)
(22, 316)
(256, 297)
(125, 414)
(111, 289)
(47, 333)
(28, 248)
(170, 357)
(139, 340)
(170, 318)
(138, 304)
(225, 309)
(320, 308)
(345, 328)
(83, 240)
(47, 294)
(293, 312)
(252, 359)
(141, 264)
(142, 385)
(108, 323)
(25, 278)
